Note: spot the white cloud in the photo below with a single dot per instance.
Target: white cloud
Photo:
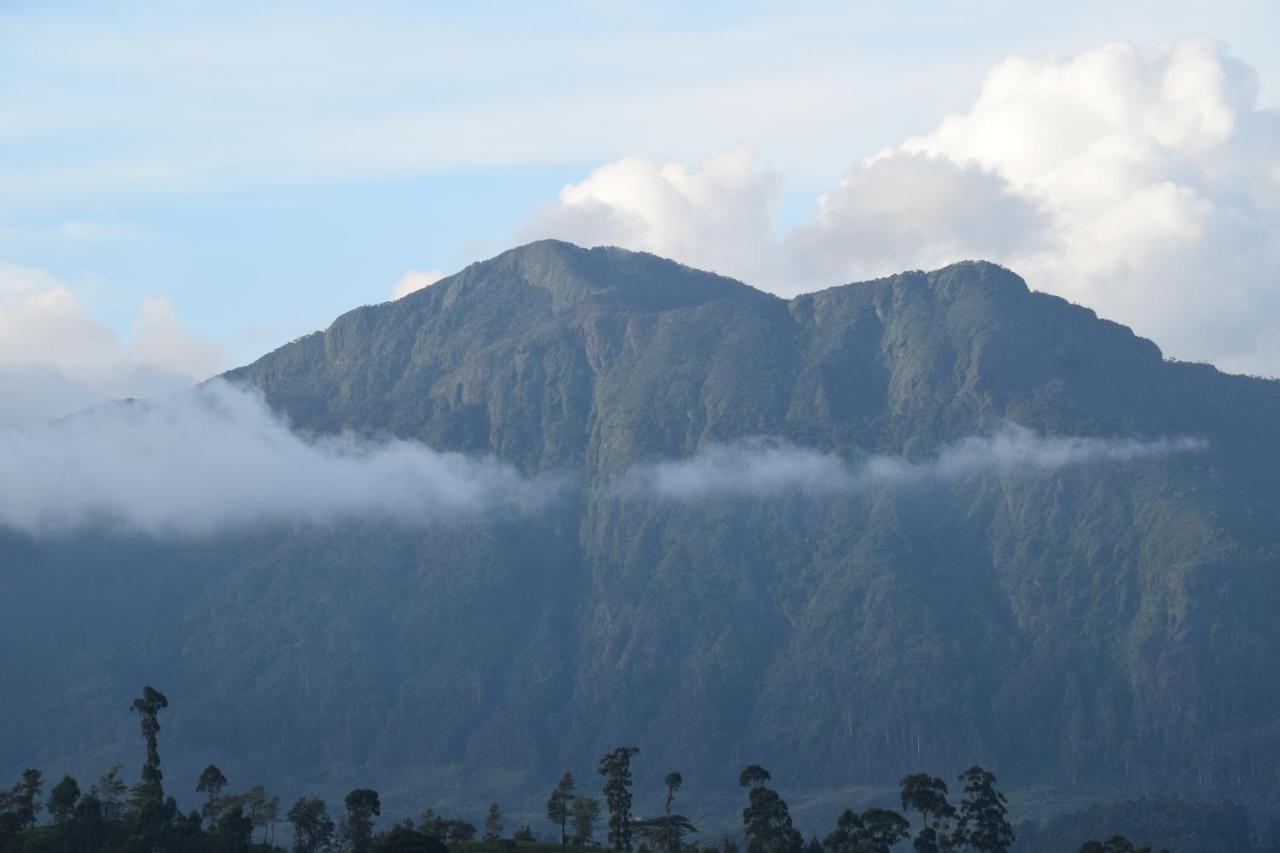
(414, 280)
(718, 216)
(56, 358)
(1157, 173)
(769, 467)
(216, 457)
(906, 211)
(1145, 185)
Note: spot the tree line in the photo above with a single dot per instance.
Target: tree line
(114, 817)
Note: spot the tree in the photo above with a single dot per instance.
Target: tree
(657, 833)
(847, 836)
(233, 829)
(262, 809)
(211, 783)
(23, 799)
(110, 791)
(615, 766)
(362, 807)
(984, 814)
(525, 834)
(586, 813)
(493, 823)
(149, 795)
(558, 806)
(671, 841)
(406, 839)
(84, 830)
(928, 795)
(312, 827)
(63, 799)
(766, 819)
(753, 775)
(446, 830)
(882, 829)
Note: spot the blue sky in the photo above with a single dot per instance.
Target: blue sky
(264, 167)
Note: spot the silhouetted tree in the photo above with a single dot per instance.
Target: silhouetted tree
(447, 830)
(110, 791)
(674, 782)
(262, 809)
(586, 813)
(559, 804)
(525, 834)
(21, 803)
(657, 833)
(883, 828)
(233, 830)
(362, 807)
(615, 767)
(149, 795)
(928, 795)
(63, 799)
(766, 819)
(211, 783)
(984, 815)
(406, 839)
(312, 826)
(493, 823)
(87, 826)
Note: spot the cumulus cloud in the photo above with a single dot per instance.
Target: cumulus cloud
(415, 280)
(1159, 175)
(769, 467)
(56, 358)
(217, 457)
(908, 211)
(718, 216)
(1144, 184)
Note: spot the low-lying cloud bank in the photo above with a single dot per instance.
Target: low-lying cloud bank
(768, 467)
(217, 457)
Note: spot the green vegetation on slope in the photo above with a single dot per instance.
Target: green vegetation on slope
(1107, 627)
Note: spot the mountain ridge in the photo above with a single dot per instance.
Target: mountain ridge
(1107, 624)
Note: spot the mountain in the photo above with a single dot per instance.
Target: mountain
(1107, 625)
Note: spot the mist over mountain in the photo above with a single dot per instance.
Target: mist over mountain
(920, 522)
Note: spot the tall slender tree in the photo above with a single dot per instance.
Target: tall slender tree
(671, 840)
(766, 820)
(24, 798)
(615, 767)
(312, 827)
(493, 823)
(586, 813)
(363, 806)
(984, 815)
(149, 794)
(211, 783)
(928, 795)
(559, 804)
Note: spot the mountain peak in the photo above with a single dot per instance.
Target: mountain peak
(609, 275)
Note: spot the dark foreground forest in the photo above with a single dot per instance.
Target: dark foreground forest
(112, 815)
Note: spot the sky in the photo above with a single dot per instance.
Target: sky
(184, 186)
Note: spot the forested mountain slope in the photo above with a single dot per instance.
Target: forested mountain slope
(1102, 621)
